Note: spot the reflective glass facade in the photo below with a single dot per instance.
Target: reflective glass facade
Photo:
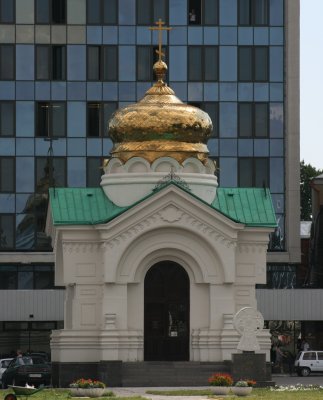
(66, 65)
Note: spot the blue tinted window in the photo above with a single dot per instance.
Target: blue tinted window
(228, 147)
(76, 171)
(76, 90)
(25, 62)
(228, 172)
(127, 70)
(228, 92)
(261, 148)
(25, 147)
(261, 91)
(127, 35)
(178, 12)
(245, 147)
(245, 91)
(277, 12)
(177, 63)
(211, 91)
(76, 121)
(228, 119)
(211, 35)
(276, 91)
(25, 181)
(76, 63)
(25, 91)
(94, 34)
(228, 36)
(276, 148)
(76, 147)
(7, 203)
(42, 90)
(261, 36)
(228, 63)
(277, 64)
(276, 120)
(228, 12)
(25, 118)
(277, 36)
(277, 175)
(195, 91)
(127, 12)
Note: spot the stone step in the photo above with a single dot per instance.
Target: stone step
(151, 373)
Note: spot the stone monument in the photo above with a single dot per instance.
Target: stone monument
(249, 364)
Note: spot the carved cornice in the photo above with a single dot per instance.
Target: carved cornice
(252, 248)
(80, 247)
(169, 215)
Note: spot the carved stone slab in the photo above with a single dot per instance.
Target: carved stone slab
(247, 322)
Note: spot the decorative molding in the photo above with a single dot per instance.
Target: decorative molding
(252, 248)
(171, 214)
(80, 247)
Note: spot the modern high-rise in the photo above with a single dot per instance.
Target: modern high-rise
(67, 65)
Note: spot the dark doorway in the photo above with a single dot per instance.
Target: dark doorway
(167, 293)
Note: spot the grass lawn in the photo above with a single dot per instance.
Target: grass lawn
(61, 394)
(265, 394)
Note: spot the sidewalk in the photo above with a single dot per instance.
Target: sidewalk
(279, 379)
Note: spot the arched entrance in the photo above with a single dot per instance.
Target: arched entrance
(167, 294)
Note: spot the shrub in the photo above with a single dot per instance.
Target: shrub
(221, 379)
(241, 384)
(87, 384)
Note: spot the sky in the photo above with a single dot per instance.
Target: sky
(311, 82)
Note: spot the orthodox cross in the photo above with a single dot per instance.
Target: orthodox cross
(160, 30)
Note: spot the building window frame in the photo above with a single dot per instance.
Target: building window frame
(254, 68)
(13, 183)
(102, 12)
(13, 11)
(201, 13)
(89, 178)
(51, 173)
(152, 58)
(151, 11)
(13, 119)
(253, 122)
(51, 61)
(254, 169)
(102, 130)
(51, 18)
(204, 63)
(10, 74)
(102, 66)
(46, 125)
(13, 223)
(17, 269)
(251, 15)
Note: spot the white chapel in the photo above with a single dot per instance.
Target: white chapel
(158, 260)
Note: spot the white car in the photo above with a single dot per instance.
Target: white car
(4, 362)
(309, 361)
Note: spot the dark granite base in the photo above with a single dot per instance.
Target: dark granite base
(249, 365)
(108, 372)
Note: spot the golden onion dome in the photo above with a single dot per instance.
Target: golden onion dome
(160, 125)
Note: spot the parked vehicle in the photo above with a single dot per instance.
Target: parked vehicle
(27, 369)
(4, 362)
(309, 361)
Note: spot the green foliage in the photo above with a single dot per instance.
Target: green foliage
(181, 392)
(307, 173)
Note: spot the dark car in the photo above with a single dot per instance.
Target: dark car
(27, 369)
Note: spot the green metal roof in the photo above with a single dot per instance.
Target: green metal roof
(90, 206)
(250, 206)
(81, 206)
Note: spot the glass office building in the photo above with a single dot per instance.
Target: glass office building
(66, 65)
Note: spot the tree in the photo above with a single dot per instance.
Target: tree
(307, 173)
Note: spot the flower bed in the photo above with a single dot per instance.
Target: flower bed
(87, 388)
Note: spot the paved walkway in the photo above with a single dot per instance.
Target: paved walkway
(316, 379)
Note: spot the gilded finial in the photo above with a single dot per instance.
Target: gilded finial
(160, 28)
(160, 67)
